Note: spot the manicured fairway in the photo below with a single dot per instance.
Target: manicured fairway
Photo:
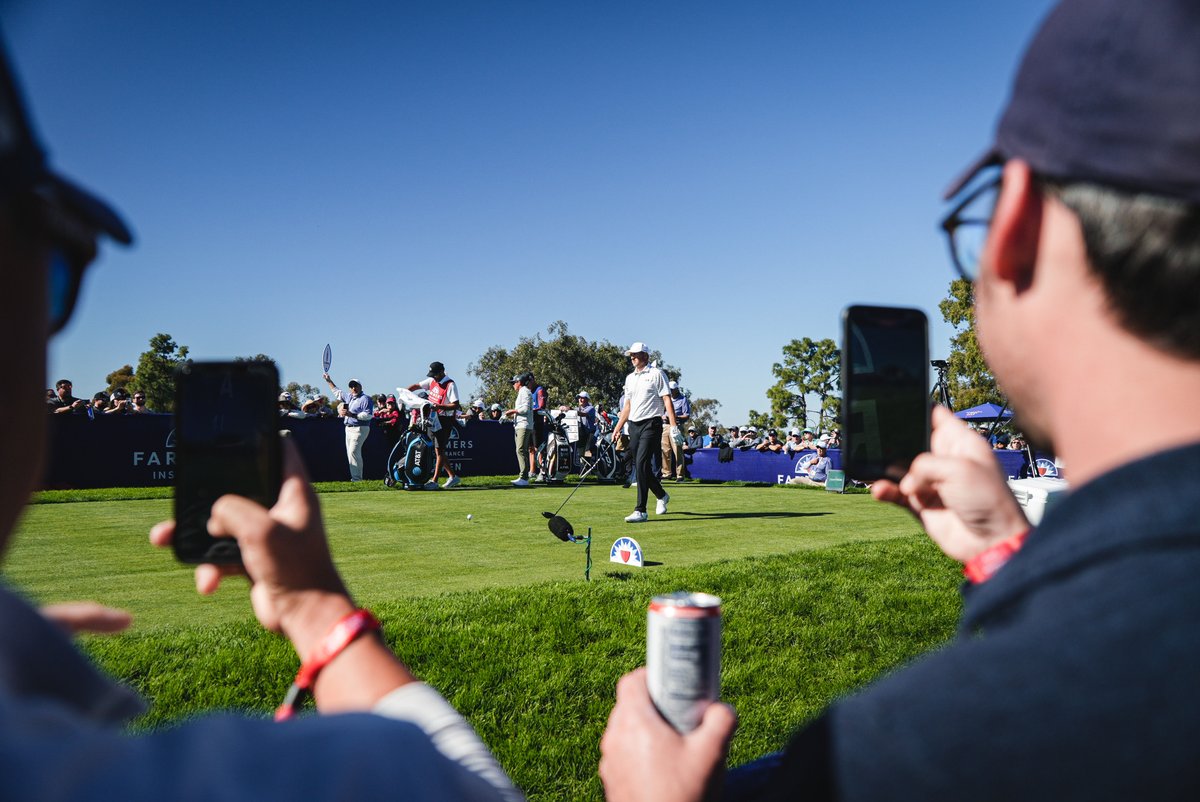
(821, 594)
(392, 544)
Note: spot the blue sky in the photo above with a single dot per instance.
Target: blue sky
(411, 181)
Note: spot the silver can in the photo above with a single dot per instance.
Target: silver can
(683, 656)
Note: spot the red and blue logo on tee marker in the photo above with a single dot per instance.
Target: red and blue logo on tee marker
(626, 551)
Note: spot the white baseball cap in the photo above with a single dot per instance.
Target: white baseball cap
(583, 394)
(672, 385)
(638, 348)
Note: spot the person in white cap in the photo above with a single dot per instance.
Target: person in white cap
(647, 402)
(357, 410)
(672, 449)
(587, 420)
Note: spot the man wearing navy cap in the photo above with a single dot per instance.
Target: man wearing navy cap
(1074, 674)
(63, 724)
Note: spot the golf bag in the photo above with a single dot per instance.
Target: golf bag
(414, 458)
(558, 449)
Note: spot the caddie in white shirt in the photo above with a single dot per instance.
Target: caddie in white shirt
(647, 400)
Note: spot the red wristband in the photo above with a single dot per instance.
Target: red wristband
(980, 568)
(343, 633)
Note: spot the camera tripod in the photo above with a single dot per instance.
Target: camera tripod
(941, 390)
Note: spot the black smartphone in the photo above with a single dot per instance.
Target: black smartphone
(226, 441)
(885, 390)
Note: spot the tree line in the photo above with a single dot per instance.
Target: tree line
(809, 374)
(806, 391)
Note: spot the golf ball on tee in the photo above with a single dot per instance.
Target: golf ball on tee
(469, 517)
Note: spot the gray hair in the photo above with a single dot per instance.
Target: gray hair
(1145, 249)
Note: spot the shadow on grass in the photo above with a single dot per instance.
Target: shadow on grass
(736, 515)
(625, 576)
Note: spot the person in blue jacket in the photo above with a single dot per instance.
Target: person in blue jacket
(63, 733)
(1074, 672)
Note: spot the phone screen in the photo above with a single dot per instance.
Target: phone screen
(226, 441)
(885, 389)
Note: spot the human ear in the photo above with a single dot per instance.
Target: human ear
(1012, 244)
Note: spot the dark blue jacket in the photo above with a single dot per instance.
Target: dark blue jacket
(1075, 673)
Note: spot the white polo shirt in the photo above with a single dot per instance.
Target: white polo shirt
(645, 389)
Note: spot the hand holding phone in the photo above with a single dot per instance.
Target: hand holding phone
(885, 390)
(227, 442)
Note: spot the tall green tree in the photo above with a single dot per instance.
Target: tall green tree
(971, 381)
(764, 420)
(121, 378)
(155, 371)
(809, 374)
(301, 392)
(564, 363)
(704, 413)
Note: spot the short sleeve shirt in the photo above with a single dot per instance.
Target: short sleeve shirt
(645, 390)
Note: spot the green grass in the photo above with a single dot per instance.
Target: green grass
(821, 593)
(393, 544)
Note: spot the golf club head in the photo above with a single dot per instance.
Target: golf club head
(560, 527)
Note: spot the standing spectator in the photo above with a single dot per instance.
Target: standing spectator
(587, 421)
(139, 404)
(98, 405)
(539, 428)
(695, 442)
(672, 450)
(794, 444)
(443, 396)
(772, 443)
(522, 414)
(807, 440)
(323, 409)
(63, 403)
(119, 404)
(835, 439)
(390, 422)
(647, 399)
(356, 411)
(476, 410)
(287, 407)
(495, 412)
(745, 439)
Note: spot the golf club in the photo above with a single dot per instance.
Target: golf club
(560, 526)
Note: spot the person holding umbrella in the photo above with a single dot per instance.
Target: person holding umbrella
(647, 402)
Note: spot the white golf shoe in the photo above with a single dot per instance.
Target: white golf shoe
(636, 517)
(661, 507)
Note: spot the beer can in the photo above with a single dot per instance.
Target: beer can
(683, 656)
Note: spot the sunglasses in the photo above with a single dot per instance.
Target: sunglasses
(72, 248)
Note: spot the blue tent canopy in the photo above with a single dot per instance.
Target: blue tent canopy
(985, 412)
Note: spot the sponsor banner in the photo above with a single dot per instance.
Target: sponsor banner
(139, 450)
(757, 466)
(753, 466)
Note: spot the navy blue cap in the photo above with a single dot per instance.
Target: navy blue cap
(1108, 93)
(25, 167)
